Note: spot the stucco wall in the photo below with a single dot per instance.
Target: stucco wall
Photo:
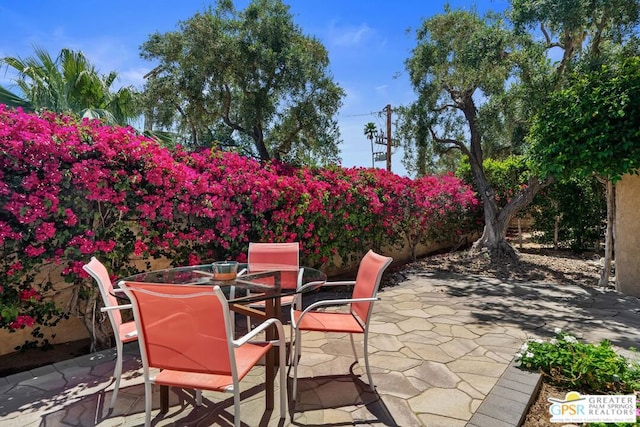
(627, 235)
(62, 294)
(72, 329)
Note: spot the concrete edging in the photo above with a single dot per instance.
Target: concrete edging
(507, 403)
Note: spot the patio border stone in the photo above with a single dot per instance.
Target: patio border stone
(507, 403)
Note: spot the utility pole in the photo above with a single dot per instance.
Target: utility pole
(388, 110)
(381, 139)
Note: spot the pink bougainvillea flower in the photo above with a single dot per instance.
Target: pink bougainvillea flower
(194, 259)
(21, 321)
(45, 231)
(33, 252)
(14, 268)
(70, 218)
(29, 295)
(86, 188)
(139, 248)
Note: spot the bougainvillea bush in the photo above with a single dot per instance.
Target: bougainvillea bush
(71, 189)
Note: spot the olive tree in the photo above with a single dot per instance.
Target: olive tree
(479, 80)
(589, 34)
(461, 62)
(248, 79)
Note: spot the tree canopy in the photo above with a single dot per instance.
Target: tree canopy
(580, 28)
(247, 79)
(591, 126)
(68, 84)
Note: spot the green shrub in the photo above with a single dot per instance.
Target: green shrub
(577, 204)
(580, 208)
(591, 368)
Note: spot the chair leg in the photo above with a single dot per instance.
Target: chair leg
(198, 397)
(291, 342)
(353, 347)
(366, 361)
(147, 403)
(295, 364)
(117, 373)
(236, 407)
(282, 350)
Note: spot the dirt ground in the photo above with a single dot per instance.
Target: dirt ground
(538, 415)
(535, 263)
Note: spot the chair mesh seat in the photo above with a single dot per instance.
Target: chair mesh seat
(320, 321)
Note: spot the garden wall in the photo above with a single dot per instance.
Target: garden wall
(627, 241)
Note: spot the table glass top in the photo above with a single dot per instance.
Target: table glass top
(246, 287)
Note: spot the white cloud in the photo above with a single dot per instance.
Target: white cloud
(132, 77)
(382, 90)
(349, 36)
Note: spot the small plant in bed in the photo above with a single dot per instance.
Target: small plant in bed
(587, 368)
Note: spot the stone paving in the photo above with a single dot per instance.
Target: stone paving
(439, 342)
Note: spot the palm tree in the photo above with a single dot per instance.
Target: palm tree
(370, 132)
(69, 84)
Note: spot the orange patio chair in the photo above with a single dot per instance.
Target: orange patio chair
(123, 331)
(284, 257)
(185, 331)
(355, 321)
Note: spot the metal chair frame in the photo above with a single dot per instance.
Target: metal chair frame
(204, 365)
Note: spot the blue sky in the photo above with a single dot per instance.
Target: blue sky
(368, 43)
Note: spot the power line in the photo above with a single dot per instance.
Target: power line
(363, 114)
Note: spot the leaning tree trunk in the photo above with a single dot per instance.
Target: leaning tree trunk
(608, 241)
(496, 220)
(494, 235)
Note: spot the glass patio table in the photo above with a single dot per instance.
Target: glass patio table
(268, 286)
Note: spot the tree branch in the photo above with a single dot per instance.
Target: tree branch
(453, 143)
(226, 108)
(444, 107)
(546, 35)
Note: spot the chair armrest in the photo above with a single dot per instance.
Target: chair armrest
(117, 290)
(116, 307)
(241, 272)
(333, 302)
(340, 283)
(261, 327)
(297, 297)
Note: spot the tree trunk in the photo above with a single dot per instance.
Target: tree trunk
(494, 240)
(99, 330)
(519, 234)
(258, 138)
(608, 241)
(496, 220)
(494, 235)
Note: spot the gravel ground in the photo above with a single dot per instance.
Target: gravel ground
(534, 264)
